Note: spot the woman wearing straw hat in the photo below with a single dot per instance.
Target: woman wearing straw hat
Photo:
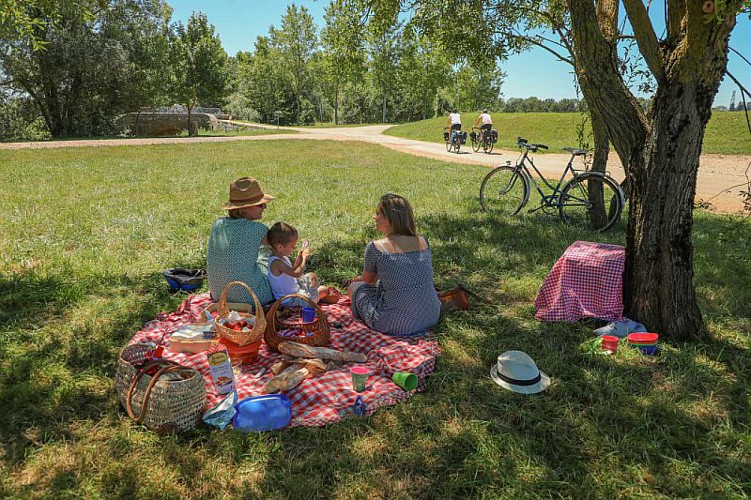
(237, 248)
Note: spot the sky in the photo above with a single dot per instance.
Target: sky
(533, 73)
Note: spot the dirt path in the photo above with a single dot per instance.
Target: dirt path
(717, 173)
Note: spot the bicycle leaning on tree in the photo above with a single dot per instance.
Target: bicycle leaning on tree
(591, 200)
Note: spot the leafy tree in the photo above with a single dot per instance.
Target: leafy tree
(296, 43)
(200, 65)
(343, 40)
(660, 148)
(77, 90)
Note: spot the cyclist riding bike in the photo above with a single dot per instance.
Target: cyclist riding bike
(454, 123)
(487, 123)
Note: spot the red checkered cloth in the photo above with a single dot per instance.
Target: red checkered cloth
(586, 281)
(326, 398)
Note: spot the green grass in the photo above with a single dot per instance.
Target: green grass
(726, 133)
(85, 233)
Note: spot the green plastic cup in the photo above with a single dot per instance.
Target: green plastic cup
(405, 380)
(360, 376)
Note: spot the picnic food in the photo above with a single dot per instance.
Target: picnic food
(305, 351)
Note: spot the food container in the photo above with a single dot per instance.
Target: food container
(191, 339)
(241, 354)
(221, 370)
(262, 413)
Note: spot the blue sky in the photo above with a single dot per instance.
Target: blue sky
(534, 73)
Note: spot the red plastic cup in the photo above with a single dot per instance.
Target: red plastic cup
(610, 342)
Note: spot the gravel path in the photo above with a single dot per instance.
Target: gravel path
(721, 177)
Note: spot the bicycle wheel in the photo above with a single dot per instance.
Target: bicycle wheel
(504, 190)
(591, 201)
(449, 145)
(476, 144)
(487, 146)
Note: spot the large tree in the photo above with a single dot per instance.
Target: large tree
(77, 90)
(659, 148)
(199, 65)
(296, 43)
(343, 39)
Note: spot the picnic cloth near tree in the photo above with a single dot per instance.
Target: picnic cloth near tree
(328, 397)
(585, 282)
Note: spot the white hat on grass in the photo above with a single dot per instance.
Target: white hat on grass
(517, 372)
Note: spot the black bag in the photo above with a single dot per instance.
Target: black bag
(473, 136)
(494, 135)
(463, 137)
(446, 136)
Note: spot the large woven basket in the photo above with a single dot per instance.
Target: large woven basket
(319, 327)
(255, 334)
(172, 400)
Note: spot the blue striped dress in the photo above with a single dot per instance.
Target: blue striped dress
(403, 303)
(234, 253)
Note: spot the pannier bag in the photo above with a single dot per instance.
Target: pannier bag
(446, 136)
(473, 136)
(494, 135)
(463, 137)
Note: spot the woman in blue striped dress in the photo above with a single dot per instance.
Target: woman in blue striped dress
(395, 294)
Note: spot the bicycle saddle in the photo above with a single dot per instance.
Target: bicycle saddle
(576, 151)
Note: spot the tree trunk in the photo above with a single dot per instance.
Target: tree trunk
(336, 105)
(384, 107)
(190, 120)
(658, 285)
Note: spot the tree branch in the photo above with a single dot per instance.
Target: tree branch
(645, 36)
(675, 15)
(743, 97)
(537, 43)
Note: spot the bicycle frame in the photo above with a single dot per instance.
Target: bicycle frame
(522, 165)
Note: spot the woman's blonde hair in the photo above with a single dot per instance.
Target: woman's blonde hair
(235, 213)
(398, 212)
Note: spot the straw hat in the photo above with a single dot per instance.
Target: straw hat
(517, 372)
(245, 192)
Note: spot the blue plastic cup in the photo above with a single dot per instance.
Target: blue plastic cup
(308, 314)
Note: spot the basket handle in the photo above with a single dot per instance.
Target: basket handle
(166, 367)
(271, 316)
(221, 307)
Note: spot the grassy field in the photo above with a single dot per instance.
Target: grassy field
(726, 133)
(85, 233)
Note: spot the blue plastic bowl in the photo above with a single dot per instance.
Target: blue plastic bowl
(262, 413)
(649, 350)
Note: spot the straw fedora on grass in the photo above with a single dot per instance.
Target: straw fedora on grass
(517, 372)
(246, 192)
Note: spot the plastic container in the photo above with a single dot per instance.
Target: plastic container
(609, 343)
(262, 413)
(241, 354)
(643, 338)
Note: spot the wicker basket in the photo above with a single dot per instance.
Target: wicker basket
(320, 326)
(173, 399)
(223, 310)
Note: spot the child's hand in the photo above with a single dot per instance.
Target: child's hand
(305, 251)
(305, 244)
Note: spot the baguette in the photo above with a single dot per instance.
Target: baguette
(306, 351)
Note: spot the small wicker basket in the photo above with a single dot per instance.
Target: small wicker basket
(319, 327)
(255, 334)
(173, 399)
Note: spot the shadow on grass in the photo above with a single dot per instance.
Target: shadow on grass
(624, 425)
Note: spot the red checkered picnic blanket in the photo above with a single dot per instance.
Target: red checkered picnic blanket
(325, 398)
(586, 281)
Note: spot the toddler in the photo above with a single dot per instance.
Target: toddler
(286, 277)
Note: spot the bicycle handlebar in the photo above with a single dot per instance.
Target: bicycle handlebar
(523, 143)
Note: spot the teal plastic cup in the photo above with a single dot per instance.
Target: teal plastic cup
(405, 380)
